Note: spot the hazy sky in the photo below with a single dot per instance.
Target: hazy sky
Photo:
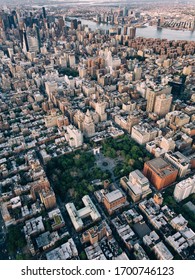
(15, 2)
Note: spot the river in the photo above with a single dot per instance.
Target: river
(147, 32)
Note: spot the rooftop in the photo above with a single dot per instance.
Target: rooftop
(162, 167)
(66, 251)
(114, 195)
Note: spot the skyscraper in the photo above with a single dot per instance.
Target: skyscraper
(132, 32)
(44, 12)
(74, 24)
(38, 36)
(32, 41)
(25, 46)
(158, 22)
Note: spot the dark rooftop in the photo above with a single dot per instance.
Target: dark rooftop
(141, 229)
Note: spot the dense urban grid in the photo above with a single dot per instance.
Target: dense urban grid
(97, 132)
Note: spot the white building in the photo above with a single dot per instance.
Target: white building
(100, 109)
(144, 133)
(33, 43)
(184, 188)
(75, 136)
(70, 81)
(163, 104)
(181, 162)
(34, 226)
(137, 185)
(66, 251)
(89, 210)
(50, 87)
(162, 252)
(72, 60)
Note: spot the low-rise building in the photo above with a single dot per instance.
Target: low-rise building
(66, 251)
(189, 128)
(158, 247)
(34, 226)
(89, 210)
(94, 252)
(162, 252)
(125, 232)
(144, 133)
(180, 162)
(96, 233)
(151, 239)
(160, 172)
(178, 243)
(139, 252)
(46, 240)
(57, 221)
(114, 200)
(149, 208)
(179, 222)
(137, 186)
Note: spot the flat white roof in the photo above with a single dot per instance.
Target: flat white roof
(114, 195)
(76, 216)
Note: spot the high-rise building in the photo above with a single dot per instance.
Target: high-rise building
(151, 100)
(48, 198)
(72, 60)
(181, 162)
(61, 23)
(125, 11)
(162, 104)
(158, 22)
(184, 188)
(38, 37)
(51, 87)
(25, 46)
(125, 30)
(30, 41)
(138, 73)
(74, 24)
(133, 119)
(100, 109)
(75, 136)
(82, 71)
(44, 12)
(132, 32)
(5, 21)
(88, 125)
(119, 31)
(193, 24)
(151, 95)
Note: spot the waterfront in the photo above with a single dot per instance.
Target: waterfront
(147, 32)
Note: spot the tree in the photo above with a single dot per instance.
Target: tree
(136, 152)
(83, 256)
(90, 188)
(68, 71)
(15, 239)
